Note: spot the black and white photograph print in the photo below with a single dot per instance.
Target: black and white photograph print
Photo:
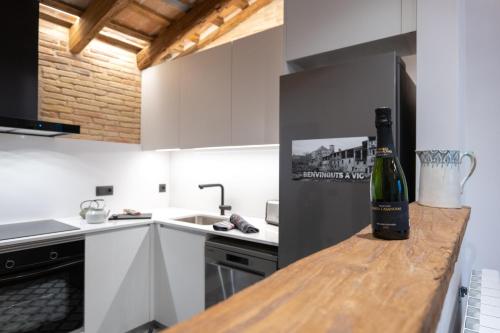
(333, 159)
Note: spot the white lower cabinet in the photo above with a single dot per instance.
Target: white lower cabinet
(140, 274)
(179, 275)
(117, 280)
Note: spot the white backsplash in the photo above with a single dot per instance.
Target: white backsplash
(48, 178)
(250, 178)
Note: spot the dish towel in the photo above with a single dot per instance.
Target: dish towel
(242, 225)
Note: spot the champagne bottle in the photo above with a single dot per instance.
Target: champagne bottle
(388, 189)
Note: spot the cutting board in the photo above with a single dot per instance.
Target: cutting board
(115, 217)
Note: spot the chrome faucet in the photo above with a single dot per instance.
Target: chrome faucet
(222, 206)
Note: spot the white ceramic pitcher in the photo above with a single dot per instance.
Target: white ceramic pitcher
(440, 184)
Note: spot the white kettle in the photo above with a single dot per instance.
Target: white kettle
(440, 184)
(96, 213)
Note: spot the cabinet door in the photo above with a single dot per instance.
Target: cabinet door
(408, 15)
(117, 285)
(160, 106)
(205, 117)
(317, 26)
(179, 271)
(256, 67)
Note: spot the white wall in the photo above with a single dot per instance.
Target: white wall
(250, 177)
(48, 178)
(480, 78)
(437, 74)
(458, 106)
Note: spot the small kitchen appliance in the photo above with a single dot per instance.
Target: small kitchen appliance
(232, 265)
(95, 214)
(87, 204)
(273, 212)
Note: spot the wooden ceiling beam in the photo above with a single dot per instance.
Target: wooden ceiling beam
(129, 31)
(228, 26)
(218, 21)
(219, 17)
(171, 38)
(178, 31)
(64, 7)
(149, 13)
(56, 20)
(78, 12)
(93, 19)
(241, 4)
(118, 43)
(56, 16)
(63, 19)
(195, 38)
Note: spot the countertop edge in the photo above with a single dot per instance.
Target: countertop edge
(445, 282)
(162, 219)
(359, 285)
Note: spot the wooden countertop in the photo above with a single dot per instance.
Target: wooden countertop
(360, 285)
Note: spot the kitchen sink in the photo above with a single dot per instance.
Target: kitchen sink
(201, 219)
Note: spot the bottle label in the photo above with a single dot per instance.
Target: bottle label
(390, 216)
(385, 145)
(384, 152)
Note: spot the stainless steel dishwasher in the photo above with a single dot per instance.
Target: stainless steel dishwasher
(232, 265)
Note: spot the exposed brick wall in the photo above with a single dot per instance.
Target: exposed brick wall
(99, 89)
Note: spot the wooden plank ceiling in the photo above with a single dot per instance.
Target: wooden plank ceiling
(154, 29)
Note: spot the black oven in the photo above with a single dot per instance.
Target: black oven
(41, 287)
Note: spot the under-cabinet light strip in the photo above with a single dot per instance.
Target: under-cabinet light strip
(223, 147)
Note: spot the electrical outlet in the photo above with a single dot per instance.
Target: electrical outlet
(104, 190)
(162, 188)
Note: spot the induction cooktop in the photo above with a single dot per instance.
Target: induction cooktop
(34, 228)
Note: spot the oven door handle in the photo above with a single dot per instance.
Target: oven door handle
(42, 271)
(231, 266)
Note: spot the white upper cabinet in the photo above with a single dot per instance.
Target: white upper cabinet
(408, 15)
(205, 112)
(227, 95)
(160, 106)
(256, 68)
(317, 26)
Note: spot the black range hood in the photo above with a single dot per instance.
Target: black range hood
(35, 127)
(19, 74)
